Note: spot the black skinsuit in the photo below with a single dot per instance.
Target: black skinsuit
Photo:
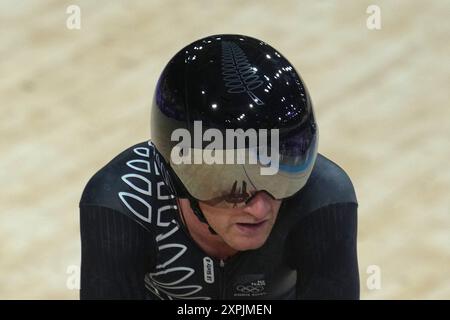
(134, 245)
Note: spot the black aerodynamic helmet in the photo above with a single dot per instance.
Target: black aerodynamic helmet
(235, 83)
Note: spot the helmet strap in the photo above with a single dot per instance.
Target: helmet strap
(199, 214)
(181, 192)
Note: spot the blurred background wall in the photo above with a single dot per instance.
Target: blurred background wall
(72, 99)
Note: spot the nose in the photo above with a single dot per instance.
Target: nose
(259, 206)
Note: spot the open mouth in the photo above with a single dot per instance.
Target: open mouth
(249, 228)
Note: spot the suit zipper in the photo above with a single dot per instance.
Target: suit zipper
(222, 279)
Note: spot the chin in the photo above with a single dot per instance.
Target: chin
(245, 243)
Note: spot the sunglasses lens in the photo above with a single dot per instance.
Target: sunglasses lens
(234, 202)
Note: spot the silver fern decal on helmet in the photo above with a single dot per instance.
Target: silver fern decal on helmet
(238, 74)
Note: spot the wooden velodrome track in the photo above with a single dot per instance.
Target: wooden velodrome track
(72, 99)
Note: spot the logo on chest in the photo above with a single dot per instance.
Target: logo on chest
(251, 285)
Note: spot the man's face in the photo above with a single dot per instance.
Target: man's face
(244, 228)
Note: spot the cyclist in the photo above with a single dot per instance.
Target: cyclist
(209, 218)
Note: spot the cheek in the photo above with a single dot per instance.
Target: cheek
(276, 207)
(278, 203)
(220, 222)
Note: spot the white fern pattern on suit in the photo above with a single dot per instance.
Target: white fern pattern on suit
(141, 188)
